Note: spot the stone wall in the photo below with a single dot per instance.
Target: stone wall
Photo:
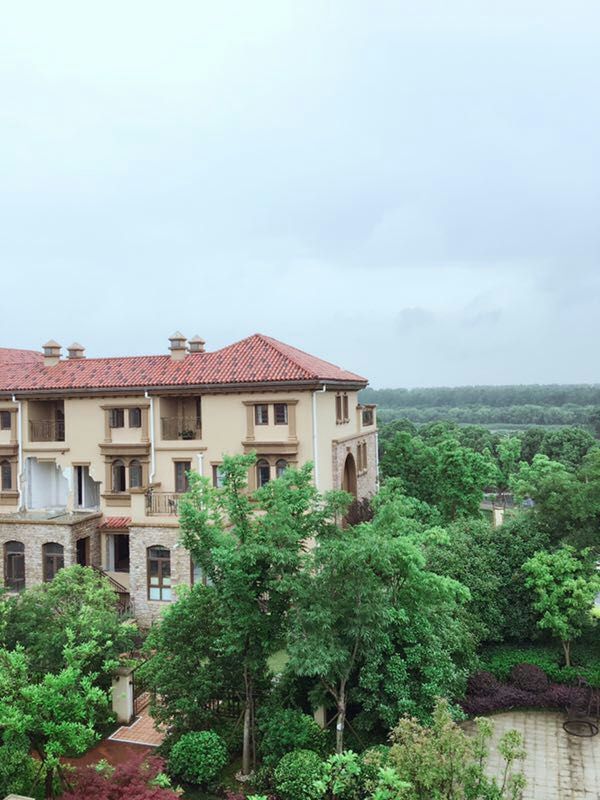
(141, 537)
(366, 482)
(35, 534)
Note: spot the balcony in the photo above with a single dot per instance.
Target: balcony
(368, 416)
(45, 430)
(162, 503)
(173, 428)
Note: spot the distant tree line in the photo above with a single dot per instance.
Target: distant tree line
(555, 395)
(492, 415)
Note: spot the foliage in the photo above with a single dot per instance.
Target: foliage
(341, 777)
(565, 584)
(501, 661)
(186, 666)
(78, 602)
(137, 779)
(372, 761)
(198, 757)
(444, 761)
(286, 729)
(57, 714)
(297, 776)
(482, 683)
(529, 677)
(507, 696)
(250, 558)
(356, 591)
(17, 768)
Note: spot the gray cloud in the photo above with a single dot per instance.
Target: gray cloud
(307, 170)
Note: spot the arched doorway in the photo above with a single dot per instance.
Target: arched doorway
(349, 478)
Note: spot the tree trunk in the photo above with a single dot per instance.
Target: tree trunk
(567, 652)
(247, 759)
(49, 784)
(341, 722)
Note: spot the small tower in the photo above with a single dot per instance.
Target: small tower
(51, 352)
(196, 344)
(177, 346)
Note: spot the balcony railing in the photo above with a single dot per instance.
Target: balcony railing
(180, 428)
(45, 430)
(162, 503)
(368, 416)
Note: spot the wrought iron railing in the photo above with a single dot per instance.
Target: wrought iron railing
(162, 503)
(46, 430)
(180, 428)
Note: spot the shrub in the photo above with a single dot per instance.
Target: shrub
(501, 660)
(296, 775)
(137, 779)
(341, 777)
(555, 695)
(373, 761)
(198, 757)
(529, 677)
(288, 729)
(482, 684)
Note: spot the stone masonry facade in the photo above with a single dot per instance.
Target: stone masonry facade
(366, 480)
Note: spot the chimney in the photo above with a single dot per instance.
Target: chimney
(76, 350)
(196, 344)
(51, 353)
(177, 347)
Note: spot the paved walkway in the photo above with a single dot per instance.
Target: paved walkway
(557, 766)
(141, 731)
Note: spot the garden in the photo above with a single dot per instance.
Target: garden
(342, 670)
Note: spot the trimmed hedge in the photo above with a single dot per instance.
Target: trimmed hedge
(529, 678)
(501, 660)
(482, 684)
(556, 696)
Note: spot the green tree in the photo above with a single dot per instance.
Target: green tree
(509, 455)
(78, 603)
(565, 584)
(56, 714)
(187, 668)
(443, 761)
(249, 551)
(352, 589)
(568, 445)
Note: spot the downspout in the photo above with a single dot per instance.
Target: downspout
(152, 453)
(377, 461)
(315, 433)
(20, 447)
(201, 463)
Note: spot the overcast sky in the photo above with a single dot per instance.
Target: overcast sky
(408, 189)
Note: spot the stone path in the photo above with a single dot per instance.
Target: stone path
(141, 731)
(557, 766)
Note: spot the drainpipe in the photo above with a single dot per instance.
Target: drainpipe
(20, 446)
(315, 432)
(200, 463)
(152, 453)
(377, 460)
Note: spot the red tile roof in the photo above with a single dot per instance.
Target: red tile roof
(115, 523)
(9, 355)
(256, 359)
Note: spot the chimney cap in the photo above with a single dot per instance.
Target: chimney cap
(76, 350)
(52, 344)
(196, 344)
(197, 339)
(177, 336)
(75, 346)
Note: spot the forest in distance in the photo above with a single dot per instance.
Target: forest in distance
(496, 407)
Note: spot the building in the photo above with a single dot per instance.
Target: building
(94, 452)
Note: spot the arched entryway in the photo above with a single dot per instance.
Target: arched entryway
(349, 477)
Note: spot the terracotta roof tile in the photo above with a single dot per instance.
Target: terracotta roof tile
(115, 523)
(256, 359)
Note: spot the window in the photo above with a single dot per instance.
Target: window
(345, 405)
(159, 573)
(338, 409)
(261, 414)
(135, 418)
(117, 418)
(198, 413)
(281, 413)
(135, 474)
(53, 558)
(280, 467)
(217, 475)
(263, 472)
(5, 420)
(361, 457)
(119, 483)
(14, 566)
(5, 476)
(181, 480)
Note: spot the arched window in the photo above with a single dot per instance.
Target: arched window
(263, 472)
(5, 476)
(53, 556)
(280, 467)
(159, 573)
(135, 474)
(14, 566)
(118, 476)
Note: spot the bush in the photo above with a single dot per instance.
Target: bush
(482, 684)
(529, 677)
(342, 775)
(555, 695)
(139, 779)
(373, 761)
(288, 729)
(296, 775)
(198, 757)
(501, 660)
